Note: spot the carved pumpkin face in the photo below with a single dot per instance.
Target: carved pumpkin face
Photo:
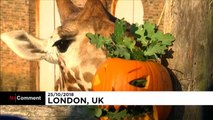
(118, 75)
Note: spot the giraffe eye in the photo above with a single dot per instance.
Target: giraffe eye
(62, 45)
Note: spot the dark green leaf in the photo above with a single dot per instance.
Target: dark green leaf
(119, 32)
(98, 40)
(98, 112)
(118, 115)
(133, 28)
(150, 28)
(122, 52)
(129, 43)
(140, 32)
(138, 54)
(166, 39)
(155, 48)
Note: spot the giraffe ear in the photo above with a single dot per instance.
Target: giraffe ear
(24, 45)
(66, 9)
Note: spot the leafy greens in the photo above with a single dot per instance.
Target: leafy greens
(144, 42)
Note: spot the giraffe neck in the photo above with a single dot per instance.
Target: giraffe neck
(69, 79)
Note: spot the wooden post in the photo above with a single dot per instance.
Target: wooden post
(191, 22)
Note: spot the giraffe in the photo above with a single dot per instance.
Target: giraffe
(68, 46)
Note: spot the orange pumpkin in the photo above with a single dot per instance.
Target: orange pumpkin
(116, 75)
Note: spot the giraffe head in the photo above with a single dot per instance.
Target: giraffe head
(68, 46)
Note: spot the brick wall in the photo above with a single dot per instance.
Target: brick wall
(152, 11)
(16, 73)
